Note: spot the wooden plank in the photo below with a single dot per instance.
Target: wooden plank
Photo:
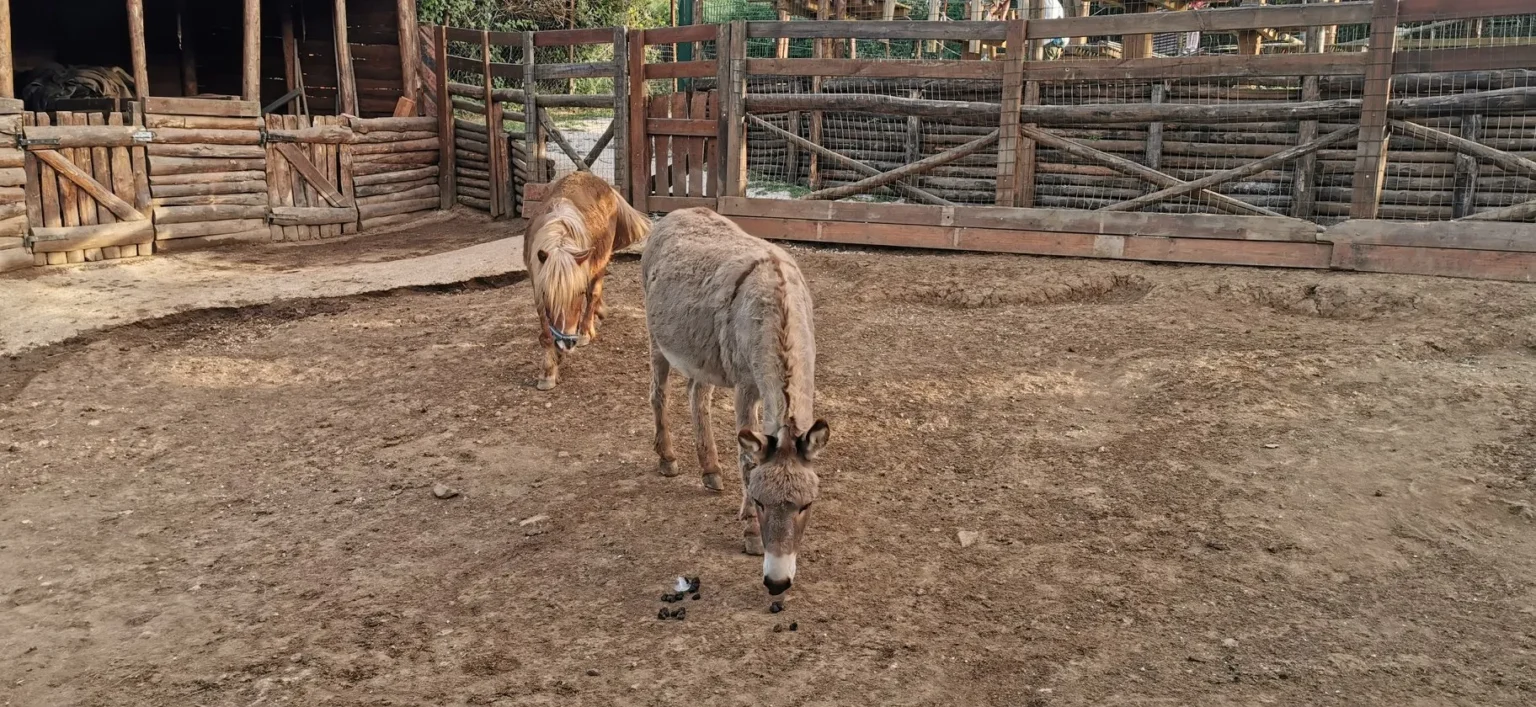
(251, 51)
(878, 68)
(547, 72)
(410, 52)
(1521, 56)
(569, 37)
(875, 29)
(857, 166)
(1448, 262)
(101, 170)
(699, 104)
(83, 158)
(1466, 235)
(136, 51)
(307, 170)
(660, 107)
(1220, 20)
(493, 126)
(193, 214)
(668, 204)
(533, 137)
(446, 125)
(48, 181)
(293, 216)
(678, 105)
(347, 183)
(870, 183)
(1464, 189)
(69, 200)
(681, 70)
(1260, 65)
(78, 178)
(207, 228)
(675, 35)
(1435, 10)
(202, 107)
(59, 240)
(1371, 159)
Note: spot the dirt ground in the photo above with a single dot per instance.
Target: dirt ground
(1192, 485)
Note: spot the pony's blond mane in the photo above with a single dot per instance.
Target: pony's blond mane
(562, 233)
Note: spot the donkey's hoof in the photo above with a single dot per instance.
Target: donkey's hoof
(753, 545)
(545, 384)
(713, 482)
(667, 467)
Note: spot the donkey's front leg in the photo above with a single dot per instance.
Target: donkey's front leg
(747, 401)
(660, 368)
(551, 355)
(700, 399)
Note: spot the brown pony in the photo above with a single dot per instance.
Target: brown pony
(570, 240)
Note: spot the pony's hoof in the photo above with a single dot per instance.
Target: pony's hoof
(753, 545)
(585, 339)
(713, 482)
(668, 468)
(545, 384)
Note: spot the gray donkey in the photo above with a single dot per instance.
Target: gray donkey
(727, 309)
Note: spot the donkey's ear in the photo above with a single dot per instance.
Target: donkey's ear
(581, 258)
(810, 444)
(755, 445)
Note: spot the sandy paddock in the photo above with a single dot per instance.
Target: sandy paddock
(1190, 485)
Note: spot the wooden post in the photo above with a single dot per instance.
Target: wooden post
(638, 144)
(1008, 125)
(447, 167)
(1465, 190)
(410, 52)
(500, 181)
(1084, 9)
(533, 137)
(136, 48)
(7, 62)
(934, 45)
(1155, 129)
(1304, 183)
(188, 55)
(621, 91)
(1371, 158)
(345, 78)
(819, 51)
(251, 85)
(734, 141)
(290, 52)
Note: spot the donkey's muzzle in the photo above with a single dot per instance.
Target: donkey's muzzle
(777, 586)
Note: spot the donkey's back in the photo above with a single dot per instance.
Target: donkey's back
(730, 309)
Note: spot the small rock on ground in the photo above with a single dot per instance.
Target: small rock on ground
(443, 491)
(968, 537)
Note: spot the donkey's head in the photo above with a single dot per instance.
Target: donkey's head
(782, 486)
(561, 278)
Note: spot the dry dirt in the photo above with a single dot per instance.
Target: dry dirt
(1192, 485)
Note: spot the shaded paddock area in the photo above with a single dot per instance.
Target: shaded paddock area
(1191, 484)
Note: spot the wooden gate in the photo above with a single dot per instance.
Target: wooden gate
(309, 177)
(682, 134)
(87, 187)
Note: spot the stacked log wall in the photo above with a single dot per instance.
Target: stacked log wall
(207, 173)
(394, 168)
(13, 180)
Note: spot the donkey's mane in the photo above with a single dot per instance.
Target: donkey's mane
(563, 235)
(780, 299)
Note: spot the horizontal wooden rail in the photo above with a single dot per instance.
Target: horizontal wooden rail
(885, 29)
(681, 126)
(569, 37)
(681, 70)
(499, 39)
(1197, 67)
(867, 68)
(674, 35)
(499, 70)
(1465, 59)
(1227, 20)
(574, 71)
(1431, 10)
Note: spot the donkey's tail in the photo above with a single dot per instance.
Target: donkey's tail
(633, 226)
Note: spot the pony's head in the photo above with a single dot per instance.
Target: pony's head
(560, 276)
(782, 485)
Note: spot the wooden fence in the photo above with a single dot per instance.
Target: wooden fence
(1414, 161)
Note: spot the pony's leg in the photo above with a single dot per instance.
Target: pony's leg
(747, 403)
(594, 313)
(660, 368)
(700, 399)
(551, 356)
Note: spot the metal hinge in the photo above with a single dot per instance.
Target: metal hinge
(24, 141)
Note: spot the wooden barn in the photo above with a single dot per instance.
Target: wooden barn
(339, 55)
(130, 127)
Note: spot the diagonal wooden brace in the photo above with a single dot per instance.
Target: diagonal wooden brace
(919, 194)
(918, 167)
(565, 146)
(1251, 168)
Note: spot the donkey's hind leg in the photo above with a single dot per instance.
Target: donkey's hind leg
(660, 368)
(551, 356)
(700, 400)
(747, 404)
